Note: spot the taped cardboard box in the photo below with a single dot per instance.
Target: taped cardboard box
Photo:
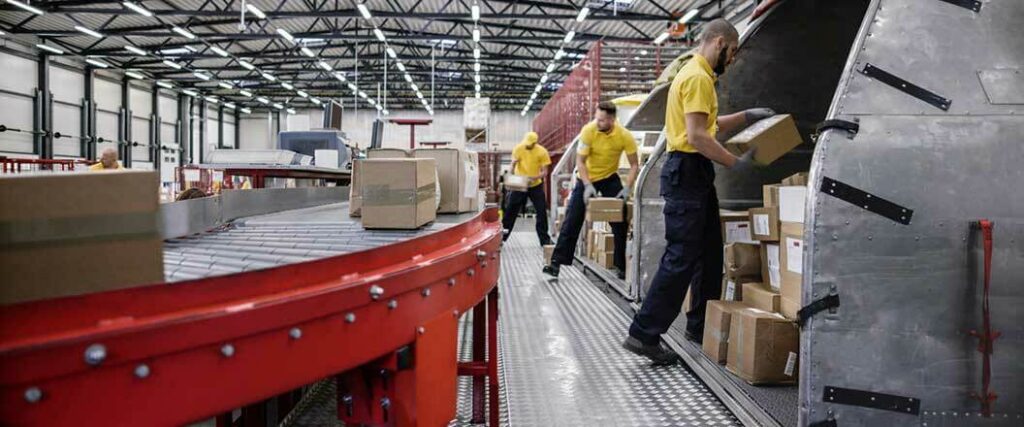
(605, 209)
(548, 251)
(791, 204)
(763, 347)
(398, 193)
(64, 234)
(764, 224)
(717, 320)
(388, 153)
(516, 182)
(759, 295)
(770, 261)
(458, 177)
(735, 227)
(799, 178)
(743, 260)
(606, 259)
(791, 268)
(773, 137)
(605, 242)
(732, 287)
(770, 194)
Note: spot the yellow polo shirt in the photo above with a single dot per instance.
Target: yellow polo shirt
(99, 167)
(604, 149)
(529, 161)
(692, 91)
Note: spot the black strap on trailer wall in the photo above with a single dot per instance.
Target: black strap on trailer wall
(906, 87)
(831, 422)
(830, 301)
(974, 5)
(870, 399)
(867, 201)
(851, 128)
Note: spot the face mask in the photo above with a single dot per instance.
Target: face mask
(720, 64)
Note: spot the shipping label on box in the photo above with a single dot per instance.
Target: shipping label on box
(765, 224)
(730, 290)
(791, 204)
(794, 255)
(772, 258)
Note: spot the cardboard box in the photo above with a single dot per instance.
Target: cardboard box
(763, 347)
(548, 251)
(791, 268)
(770, 194)
(388, 153)
(791, 204)
(326, 159)
(773, 137)
(770, 262)
(517, 183)
(717, 320)
(458, 175)
(604, 242)
(77, 233)
(735, 227)
(398, 193)
(606, 259)
(732, 287)
(764, 223)
(355, 196)
(742, 260)
(605, 209)
(799, 178)
(759, 295)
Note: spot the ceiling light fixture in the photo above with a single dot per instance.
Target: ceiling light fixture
(25, 7)
(380, 34)
(268, 76)
(246, 111)
(201, 75)
(138, 9)
(392, 53)
(307, 52)
(87, 31)
(339, 75)
(256, 12)
(476, 53)
(287, 85)
(190, 92)
(50, 49)
(247, 65)
(302, 94)
(97, 63)
(165, 85)
(225, 85)
(172, 64)
(569, 36)
(291, 111)
(135, 75)
(135, 50)
(315, 101)
(551, 67)
(401, 67)
(278, 106)
(474, 11)
(327, 67)
(583, 14)
(263, 100)
(692, 13)
(661, 38)
(183, 32)
(363, 10)
(476, 35)
(211, 99)
(245, 93)
(287, 36)
(219, 51)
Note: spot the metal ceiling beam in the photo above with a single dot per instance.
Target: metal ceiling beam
(219, 37)
(353, 13)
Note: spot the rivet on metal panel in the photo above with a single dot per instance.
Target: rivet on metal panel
(421, 330)
(451, 281)
(227, 350)
(470, 272)
(494, 255)
(376, 292)
(350, 318)
(425, 292)
(295, 333)
(393, 304)
(455, 313)
(481, 254)
(95, 354)
(385, 403)
(483, 264)
(33, 394)
(871, 238)
(835, 236)
(142, 371)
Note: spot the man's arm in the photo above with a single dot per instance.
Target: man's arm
(512, 168)
(634, 170)
(729, 123)
(542, 173)
(696, 125)
(581, 168)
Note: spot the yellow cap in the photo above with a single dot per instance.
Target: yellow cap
(530, 138)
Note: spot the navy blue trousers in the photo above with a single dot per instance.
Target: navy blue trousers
(575, 215)
(515, 203)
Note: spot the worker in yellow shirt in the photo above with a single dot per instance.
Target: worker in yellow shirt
(531, 160)
(693, 248)
(108, 161)
(600, 147)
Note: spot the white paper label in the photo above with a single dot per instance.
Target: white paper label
(737, 231)
(218, 176)
(730, 291)
(795, 255)
(472, 180)
(774, 278)
(761, 227)
(790, 364)
(191, 175)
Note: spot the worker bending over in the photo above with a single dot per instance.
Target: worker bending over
(529, 160)
(600, 147)
(693, 248)
(108, 161)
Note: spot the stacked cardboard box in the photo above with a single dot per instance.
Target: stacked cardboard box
(717, 321)
(398, 193)
(762, 347)
(605, 209)
(548, 251)
(517, 182)
(604, 249)
(458, 177)
(742, 265)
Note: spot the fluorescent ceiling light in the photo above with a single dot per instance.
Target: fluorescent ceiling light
(302, 94)
(523, 113)
(135, 50)
(135, 75)
(692, 13)
(287, 85)
(190, 92)
(475, 12)
(560, 54)
(50, 49)
(569, 36)
(414, 87)
(246, 111)
(287, 36)
(476, 67)
(408, 78)
(551, 67)
(256, 12)
(476, 78)
(307, 52)
(97, 63)
(138, 9)
(380, 34)
(172, 64)
(225, 85)
(268, 76)
(87, 31)
(661, 38)
(219, 51)
(278, 105)
(622, 69)
(419, 95)
(363, 10)
(325, 66)
(201, 75)
(401, 66)
(476, 53)
(25, 7)
(386, 112)
(476, 35)
(338, 75)
(363, 95)
(478, 95)
(583, 14)
(391, 53)
(538, 88)
(165, 85)
(533, 96)
(247, 65)
(544, 78)
(211, 99)
(352, 87)
(371, 101)
(185, 33)
(244, 92)
(290, 111)
(263, 100)
(229, 105)
(478, 88)
(315, 101)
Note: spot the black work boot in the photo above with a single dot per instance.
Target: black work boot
(551, 270)
(658, 354)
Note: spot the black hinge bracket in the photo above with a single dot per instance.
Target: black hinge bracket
(831, 422)
(867, 201)
(974, 5)
(870, 399)
(828, 302)
(851, 128)
(904, 86)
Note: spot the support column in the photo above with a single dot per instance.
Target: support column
(88, 133)
(125, 130)
(184, 130)
(155, 149)
(220, 126)
(43, 114)
(202, 129)
(238, 129)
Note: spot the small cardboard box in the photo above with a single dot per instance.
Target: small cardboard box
(770, 194)
(736, 227)
(606, 259)
(765, 224)
(548, 251)
(770, 261)
(799, 178)
(398, 193)
(743, 260)
(791, 203)
(717, 320)
(791, 268)
(758, 295)
(605, 209)
(773, 137)
(388, 153)
(732, 287)
(64, 234)
(517, 182)
(763, 347)
(604, 242)
(458, 175)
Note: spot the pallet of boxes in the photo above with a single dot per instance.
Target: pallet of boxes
(751, 329)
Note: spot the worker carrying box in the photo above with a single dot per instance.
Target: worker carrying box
(530, 163)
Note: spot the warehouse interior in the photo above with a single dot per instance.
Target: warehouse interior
(234, 213)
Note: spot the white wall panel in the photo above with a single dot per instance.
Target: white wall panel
(108, 94)
(106, 125)
(67, 85)
(229, 135)
(212, 134)
(167, 135)
(19, 74)
(168, 109)
(67, 120)
(141, 102)
(16, 113)
(254, 131)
